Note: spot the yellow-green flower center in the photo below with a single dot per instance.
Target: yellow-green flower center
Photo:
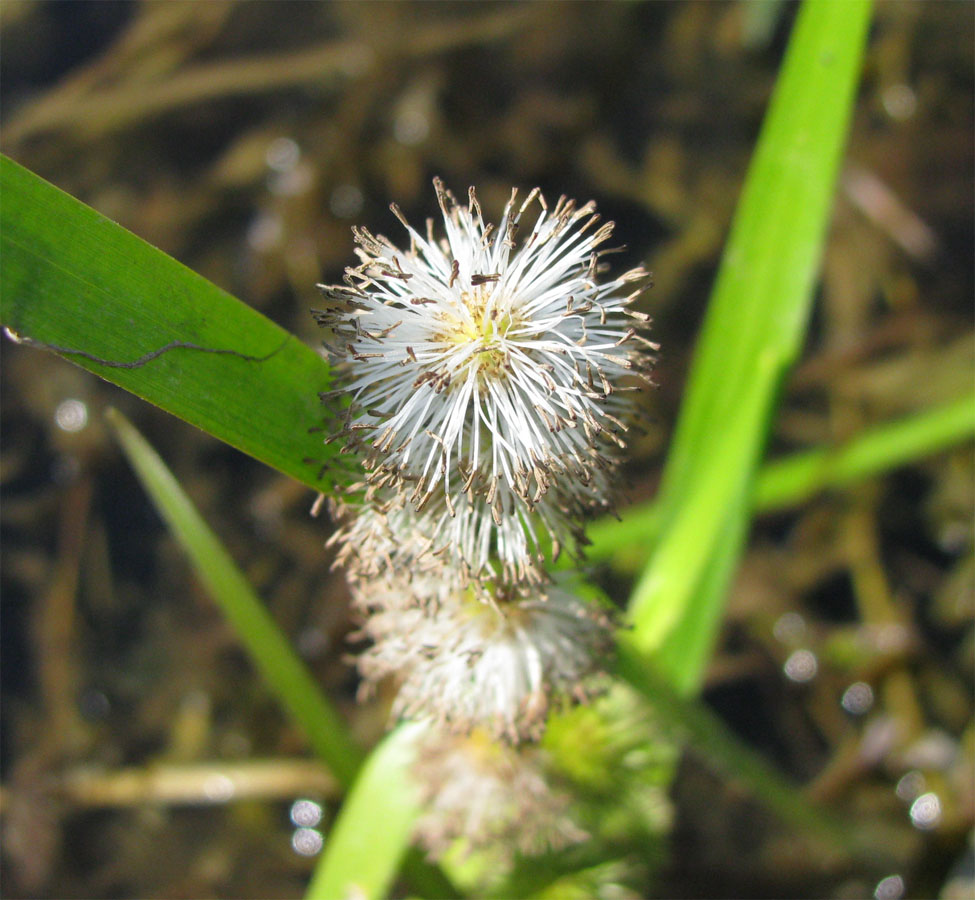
(484, 325)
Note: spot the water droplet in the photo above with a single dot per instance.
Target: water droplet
(65, 469)
(346, 201)
(313, 642)
(926, 811)
(857, 698)
(789, 628)
(900, 101)
(236, 745)
(219, 788)
(411, 127)
(306, 813)
(293, 182)
(910, 786)
(935, 749)
(879, 737)
(801, 666)
(306, 841)
(94, 705)
(71, 415)
(889, 888)
(265, 232)
(890, 637)
(282, 154)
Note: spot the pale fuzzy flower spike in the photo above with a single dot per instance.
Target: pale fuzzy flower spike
(482, 366)
(489, 796)
(384, 533)
(464, 665)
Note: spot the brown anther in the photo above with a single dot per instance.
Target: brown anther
(475, 207)
(477, 280)
(496, 511)
(399, 214)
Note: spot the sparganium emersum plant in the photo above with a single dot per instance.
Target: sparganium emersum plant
(484, 377)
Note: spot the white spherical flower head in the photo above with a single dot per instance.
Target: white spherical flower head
(489, 795)
(375, 538)
(464, 664)
(480, 365)
(463, 542)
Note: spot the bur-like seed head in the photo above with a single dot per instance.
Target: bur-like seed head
(486, 371)
(489, 796)
(464, 664)
(464, 542)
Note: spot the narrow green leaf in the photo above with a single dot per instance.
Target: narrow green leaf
(77, 283)
(370, 836)
(668, 591)
(793, 479)
(685, 652)
(272, 654)
(751, 336)
(758, 311)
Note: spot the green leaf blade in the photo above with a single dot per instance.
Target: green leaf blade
(794, 479)
(73, 280)
(761, 300)
(269, 649)
(371, 835)
(752, 334)
(876, 450)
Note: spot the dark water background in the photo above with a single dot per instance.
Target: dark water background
(245, 139)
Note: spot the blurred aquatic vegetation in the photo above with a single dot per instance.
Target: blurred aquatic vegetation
(244, 139)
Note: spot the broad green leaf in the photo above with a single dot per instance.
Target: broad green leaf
(258, 632)
(370, 836)
(77, 283)
(752, 334)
